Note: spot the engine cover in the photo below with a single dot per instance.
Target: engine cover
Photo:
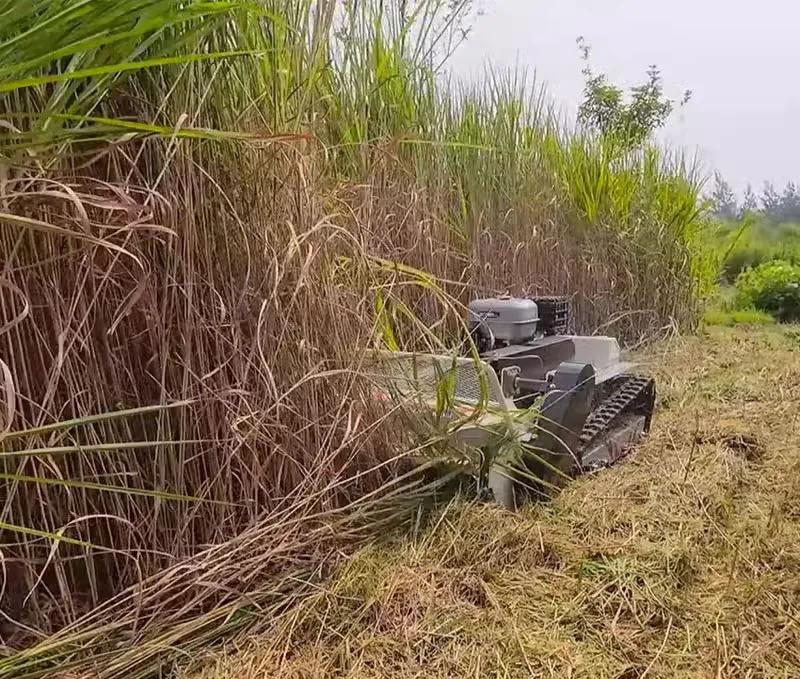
(508, 319)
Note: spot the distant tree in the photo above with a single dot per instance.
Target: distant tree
(604, 107)
(790, 204)
(749, 202)
(777, 207)
(723, 199)
(770, 201)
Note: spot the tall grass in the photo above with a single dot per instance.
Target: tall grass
(202, 204)
(746, 243)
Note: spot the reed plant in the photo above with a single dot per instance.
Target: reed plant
(208, 210)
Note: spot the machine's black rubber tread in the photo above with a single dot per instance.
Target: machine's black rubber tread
(632, 392)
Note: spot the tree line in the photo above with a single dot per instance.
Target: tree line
(779, 206)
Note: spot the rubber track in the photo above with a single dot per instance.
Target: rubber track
(602, 418)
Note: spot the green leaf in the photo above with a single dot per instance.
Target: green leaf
(100, 448)
(122, 490)
(115, 69)
(91, 419)
(33, 532)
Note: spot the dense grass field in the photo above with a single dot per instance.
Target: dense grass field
(208, 212)
(681, 563)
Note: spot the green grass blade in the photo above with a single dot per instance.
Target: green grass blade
(117, 69)
(91, 419)
(105, 488)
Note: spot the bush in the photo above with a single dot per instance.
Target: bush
(755, 254)
(773, 287)
(741, 260)
(746, 245)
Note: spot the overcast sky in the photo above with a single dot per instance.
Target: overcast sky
(738, 57)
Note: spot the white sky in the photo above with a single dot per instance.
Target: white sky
(738, 58)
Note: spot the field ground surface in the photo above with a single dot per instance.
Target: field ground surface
(682, 562)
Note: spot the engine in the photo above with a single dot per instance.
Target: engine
(505, 321)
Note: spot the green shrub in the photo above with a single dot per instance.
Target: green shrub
(747, 244)
(741, 260)
(754, 254)
(773, 287)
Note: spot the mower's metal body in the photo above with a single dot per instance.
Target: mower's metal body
(570, 402)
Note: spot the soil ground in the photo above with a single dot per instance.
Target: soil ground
(684, 562)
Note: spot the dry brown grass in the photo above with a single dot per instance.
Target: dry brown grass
(223, 291)
(167, 294)
(682, 563)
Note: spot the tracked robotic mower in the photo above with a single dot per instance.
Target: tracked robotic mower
(565, 404)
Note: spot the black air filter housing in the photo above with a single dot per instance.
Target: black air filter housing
(554, 314)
